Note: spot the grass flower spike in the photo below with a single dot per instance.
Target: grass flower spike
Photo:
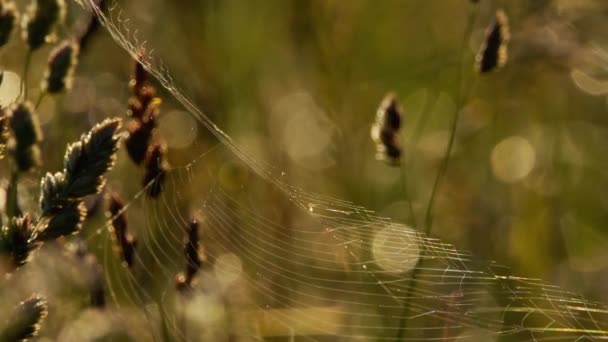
(156, 168)
(15, 242)
(26, 320)
(126, 241)
(61, 65)
(26, 136)
(144, 109)
(385, 130)
(40, 20)
(8, 16)
(85, 164)
(193, 259)
(66, 221)
(86, 161)
(493, 52)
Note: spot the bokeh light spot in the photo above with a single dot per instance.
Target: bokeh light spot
(512, 159)
(9, 89)
(395, 248)
(179, 128)
(228, 269)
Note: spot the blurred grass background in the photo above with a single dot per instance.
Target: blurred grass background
(296, 83)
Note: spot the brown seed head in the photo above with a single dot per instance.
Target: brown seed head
(25, 321)
(26, 135)
(156, 168)
(39, 21)
(139, 137)
(16, 241)
(493, 52)
(385, 130)
(126, 241)
(66, 221)
(8, 17)
(86, 161)
(61, 65)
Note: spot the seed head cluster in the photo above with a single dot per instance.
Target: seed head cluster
(25, 137)
(493, 52)
(85, 165)
(15, 242)
(156, 168)
(8, 17)
(125, 240)
(61, 66)
(385, 130)
(141, 143)
(192, 252)
(40, 20)
(25, 321)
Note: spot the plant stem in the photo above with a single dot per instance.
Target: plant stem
(184, 325)
(40, 98)
(428, 219)
(26, 67)
(408, 198)
(12, 207)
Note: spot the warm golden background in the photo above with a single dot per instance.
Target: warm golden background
(296, 84)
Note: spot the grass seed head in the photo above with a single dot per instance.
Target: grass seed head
(26, 136)
(191, 249)
(87, 160)
(156, 168)
(40, 20)
(15, 241)
(8, 17)
(51, 187)
(66, 221)
(26, 320)
(385, 130)
(138, 139)
(493, 52)
(140, 75)
(61, 65)
(126, 241)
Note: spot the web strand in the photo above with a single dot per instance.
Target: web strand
(332, 258)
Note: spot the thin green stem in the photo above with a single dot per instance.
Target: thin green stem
(40, 98)
(428, 219)
(408, 198)
(26, 67)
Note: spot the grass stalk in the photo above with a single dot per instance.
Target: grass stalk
(428, 217)
(412, 220)
(39, 100)
(26, 67)
(11, 197)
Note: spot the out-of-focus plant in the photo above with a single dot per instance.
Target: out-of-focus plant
(491, 56)
(61, 202)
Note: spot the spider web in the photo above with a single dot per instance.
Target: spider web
(313, 267)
